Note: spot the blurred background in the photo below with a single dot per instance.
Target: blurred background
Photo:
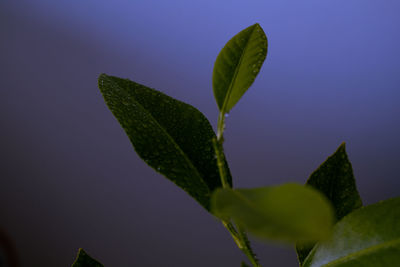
(69, 176)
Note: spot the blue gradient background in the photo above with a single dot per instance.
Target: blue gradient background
(69, 177)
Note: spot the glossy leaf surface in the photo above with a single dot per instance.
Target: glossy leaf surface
(237, 66)
(84, 260)
(368, 237)
(172, 137)
(335, 179)
(289, 212)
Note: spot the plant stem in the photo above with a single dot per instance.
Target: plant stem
(220, 127)
(221, 163)
(238, 235)
(240, 238)
(247, 248)
(233, 233)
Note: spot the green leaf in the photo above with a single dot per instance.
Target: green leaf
(172, 137)
(335, 179)
(84, 260)
(244, 264)
(237, 66)
(289, 212)
(368, 237)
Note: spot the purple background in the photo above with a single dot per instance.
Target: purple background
(69, 177)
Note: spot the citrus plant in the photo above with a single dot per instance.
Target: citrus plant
(324, 218)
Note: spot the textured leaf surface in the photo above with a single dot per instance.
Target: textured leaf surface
(237, 66)
(335, 179)
(289, 212)
(368, 237)
(84, 260)
(172, 137)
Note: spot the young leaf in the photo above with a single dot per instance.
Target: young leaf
(84, 260)
(368, 237)
(289, 212)
(335, 179)
(237, 66)
(172, 137)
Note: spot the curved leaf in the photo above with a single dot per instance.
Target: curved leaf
(335, 179)
(289, 212)
(368, 237)
(84, 260)
(172, 137)
(237, 66)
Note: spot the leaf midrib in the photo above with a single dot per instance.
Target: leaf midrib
(362, 252)
(228, 93)
(171, 139)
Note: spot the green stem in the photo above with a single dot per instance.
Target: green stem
(221, 163)
(239, 236)
(221, 127)
(246, 248)
(233, 233)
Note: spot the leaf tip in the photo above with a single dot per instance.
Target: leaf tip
(342, 149)
(84, 259)
(343, 145)
(81, 253)
(100, 80)
(102, 76)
